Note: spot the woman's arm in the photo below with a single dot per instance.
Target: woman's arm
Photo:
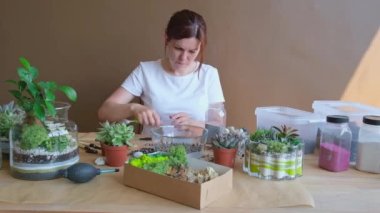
(118, 107)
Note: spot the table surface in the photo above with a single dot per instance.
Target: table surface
(348, 191)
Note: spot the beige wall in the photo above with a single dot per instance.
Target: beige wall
(268, 52)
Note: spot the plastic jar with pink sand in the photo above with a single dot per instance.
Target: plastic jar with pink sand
(336, 136)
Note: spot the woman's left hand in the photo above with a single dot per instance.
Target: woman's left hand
(183, 118)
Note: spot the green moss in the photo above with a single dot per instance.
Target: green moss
(33, 136)
(155, 163)
(175, 158)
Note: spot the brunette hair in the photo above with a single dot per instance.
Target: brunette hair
(187, 24)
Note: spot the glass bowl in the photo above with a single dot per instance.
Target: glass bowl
(192, 137)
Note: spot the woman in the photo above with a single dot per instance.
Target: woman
(175, 90)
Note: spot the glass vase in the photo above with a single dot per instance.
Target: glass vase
(274, 166)
(39, 150)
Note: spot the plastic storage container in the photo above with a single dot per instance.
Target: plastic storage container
(216, 116)
(306, 123)
(355, 112)
(334, 153)
(368, 155)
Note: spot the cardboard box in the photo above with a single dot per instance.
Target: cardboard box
(191, 194)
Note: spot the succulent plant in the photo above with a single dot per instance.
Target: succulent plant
(59, 136)
(261, 134)
(229, 138)
(10, 115)
(115, 134)
(282, 139)
(285, 133)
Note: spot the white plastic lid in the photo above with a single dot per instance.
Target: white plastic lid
(351, 109)
(288, 113)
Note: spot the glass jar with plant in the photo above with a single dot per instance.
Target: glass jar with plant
(10, 116)
(46, 141)
(226, 143)
(115, 138)
(274, 153)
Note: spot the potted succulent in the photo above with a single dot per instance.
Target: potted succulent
(46, 141)
(225, 145)
(274, 153)
(10, 116)
(115, 138)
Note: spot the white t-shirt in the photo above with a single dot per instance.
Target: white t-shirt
(168, 94)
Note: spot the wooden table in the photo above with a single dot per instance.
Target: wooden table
(349, 191)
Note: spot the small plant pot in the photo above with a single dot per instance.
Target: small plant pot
(115, 155)
(225, 157)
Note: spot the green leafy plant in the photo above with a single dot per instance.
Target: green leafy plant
(275, 140)
(229, 138)
(37, 97)
(10, 115)
(115, 134)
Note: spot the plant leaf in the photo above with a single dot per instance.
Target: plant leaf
(11, 82)
(33, 72)
(51, 85)
(25, 63)
(50, 108)
(49, 96)
(21, 85)
(39, 111)
(15, 93)
(23, 74)
(33, 89)
(69, 92)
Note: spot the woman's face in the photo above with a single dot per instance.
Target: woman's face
(182, 53)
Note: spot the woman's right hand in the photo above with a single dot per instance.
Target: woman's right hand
(146, 115)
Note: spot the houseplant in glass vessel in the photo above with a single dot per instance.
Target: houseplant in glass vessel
(274, 153)
(46, 141)
(10, 115)
(115, 138)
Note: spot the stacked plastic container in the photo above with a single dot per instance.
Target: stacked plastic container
(307, 123)
(355, 112)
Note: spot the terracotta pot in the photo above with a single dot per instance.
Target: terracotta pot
(115, 155)
(225, 157)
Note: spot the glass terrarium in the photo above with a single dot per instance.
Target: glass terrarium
(39, 150)
(272, 165)
(192, 137)
(274, 154)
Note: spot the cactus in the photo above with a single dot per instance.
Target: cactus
(10, 115)
(229, 138)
